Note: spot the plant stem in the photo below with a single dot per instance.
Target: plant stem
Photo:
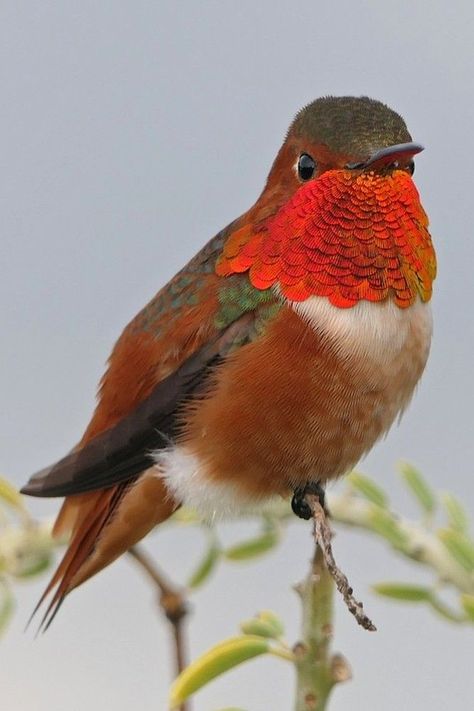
(317, 670)
(173, 603)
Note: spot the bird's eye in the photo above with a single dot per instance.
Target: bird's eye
(411, 167)
(306, 167)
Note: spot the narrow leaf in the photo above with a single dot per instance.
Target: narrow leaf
(254, 547)
(403, 591)
(266, 624)
(457, 514)
(384, 523)
(459, 546)
(32, 565)
(218, 660)
(368, 489)
(273, 619)
(444, 611)
(206, 567)
(258, 627)
(467, 602)
(418, 486)
(29, 553)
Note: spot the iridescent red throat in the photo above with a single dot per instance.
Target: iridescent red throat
(344, 236)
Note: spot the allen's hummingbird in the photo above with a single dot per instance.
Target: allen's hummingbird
(275, 359)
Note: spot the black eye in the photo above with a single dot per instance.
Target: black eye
(306, 166)
(411, 167)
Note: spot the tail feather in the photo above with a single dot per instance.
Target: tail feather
(85, 536)
(75, 506)
(106, 524)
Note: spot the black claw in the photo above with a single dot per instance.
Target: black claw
(300, 506)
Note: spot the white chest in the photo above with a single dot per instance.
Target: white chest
(378, 332)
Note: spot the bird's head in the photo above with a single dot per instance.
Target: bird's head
(339, 215)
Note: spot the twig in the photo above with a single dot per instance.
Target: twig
(173, 603)
(322, 535)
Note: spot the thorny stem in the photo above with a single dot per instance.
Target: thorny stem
(174, 605)
(318, 671)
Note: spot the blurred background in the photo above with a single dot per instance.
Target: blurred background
(130, 134)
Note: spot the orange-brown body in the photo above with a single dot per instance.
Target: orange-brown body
(320, 408)
(276, 357)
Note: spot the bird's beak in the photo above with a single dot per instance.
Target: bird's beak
(390, 154)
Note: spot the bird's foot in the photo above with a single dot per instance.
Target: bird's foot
(299, 504)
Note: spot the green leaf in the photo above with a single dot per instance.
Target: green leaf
(7, 605)
(457, 514)
(385, 524)
(467, 602)
(418, 486)
(459, 546)
(403, 591)
(418, 593)
(32, 565)
(266, 624)
(28, 554)
(218, 660)
(444, 611)
(11, 495)
(206, 567)
(258, 627)
(255, 547)
(273, 619)
(368, 489)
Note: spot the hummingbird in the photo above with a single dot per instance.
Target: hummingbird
(274, 360)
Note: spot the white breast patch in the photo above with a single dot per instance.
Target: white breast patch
(377, 331)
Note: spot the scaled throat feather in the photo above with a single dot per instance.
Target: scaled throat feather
(348, 238)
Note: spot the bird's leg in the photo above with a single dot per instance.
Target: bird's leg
(298, 503)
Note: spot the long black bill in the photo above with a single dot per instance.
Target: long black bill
(390, 154)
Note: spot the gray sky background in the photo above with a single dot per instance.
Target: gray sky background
(131, 132)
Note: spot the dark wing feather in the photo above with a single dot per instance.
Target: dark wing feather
(124, 450)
